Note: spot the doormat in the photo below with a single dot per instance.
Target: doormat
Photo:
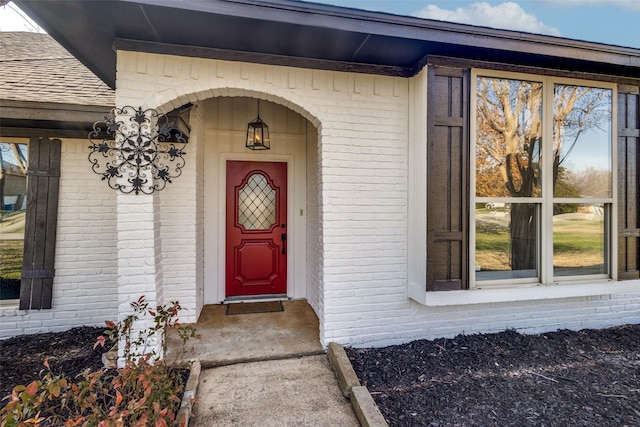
(254, 307)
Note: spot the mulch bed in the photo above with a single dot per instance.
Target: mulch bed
(564, 378)
(71, 352)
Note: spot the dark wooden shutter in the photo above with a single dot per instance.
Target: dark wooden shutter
(628, 201)
(447, 178)
(43, 177)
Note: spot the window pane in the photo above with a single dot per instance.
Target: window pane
(508, 137)
(13, 190)
(582, 142)
(578, 239)
(507, 242)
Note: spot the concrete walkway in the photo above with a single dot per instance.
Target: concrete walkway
(265, 369)
(290, 392)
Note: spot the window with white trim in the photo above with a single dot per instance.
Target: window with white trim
(543, 168)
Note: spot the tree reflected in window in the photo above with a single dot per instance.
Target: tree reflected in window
(511, 174)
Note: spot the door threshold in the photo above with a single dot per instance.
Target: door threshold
(255, 298)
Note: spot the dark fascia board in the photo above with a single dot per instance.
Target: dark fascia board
(445, 61)
(47, 119)
(25, 119)
(44, 130)
(29, 110)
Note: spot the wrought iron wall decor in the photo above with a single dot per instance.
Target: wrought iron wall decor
(145, 150)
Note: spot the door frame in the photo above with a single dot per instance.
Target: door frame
(296, 220)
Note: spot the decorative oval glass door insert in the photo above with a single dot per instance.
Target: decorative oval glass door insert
(257, 204)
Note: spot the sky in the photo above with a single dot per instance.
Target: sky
(613, 22)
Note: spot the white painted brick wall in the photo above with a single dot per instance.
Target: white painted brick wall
(198, 132)
(314, 260)
(181, 228)
(84, 290)
(397, 322)
(357, 210)
(356, 216)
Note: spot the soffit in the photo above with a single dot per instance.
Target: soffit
(302, 34)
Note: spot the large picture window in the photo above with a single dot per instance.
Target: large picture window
(542, 179)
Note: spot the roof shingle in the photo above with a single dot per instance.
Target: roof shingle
(34, 67)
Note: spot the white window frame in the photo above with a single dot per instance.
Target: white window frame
(547, 199)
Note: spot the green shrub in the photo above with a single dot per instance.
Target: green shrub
(143, 392)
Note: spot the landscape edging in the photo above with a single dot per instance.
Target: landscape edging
(345, 374)
(189, 395)
(366, 409)
(363, 404)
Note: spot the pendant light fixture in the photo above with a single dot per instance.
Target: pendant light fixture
(258, 134)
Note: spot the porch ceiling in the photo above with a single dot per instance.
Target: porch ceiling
(285, 32)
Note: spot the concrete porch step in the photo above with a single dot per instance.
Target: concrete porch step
(227, 339)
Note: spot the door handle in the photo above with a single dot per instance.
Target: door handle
(284, 243)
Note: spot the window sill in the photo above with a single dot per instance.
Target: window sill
(529, 293)
(9, 307)
(13, 303)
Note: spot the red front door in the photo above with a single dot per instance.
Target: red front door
(256, 248)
